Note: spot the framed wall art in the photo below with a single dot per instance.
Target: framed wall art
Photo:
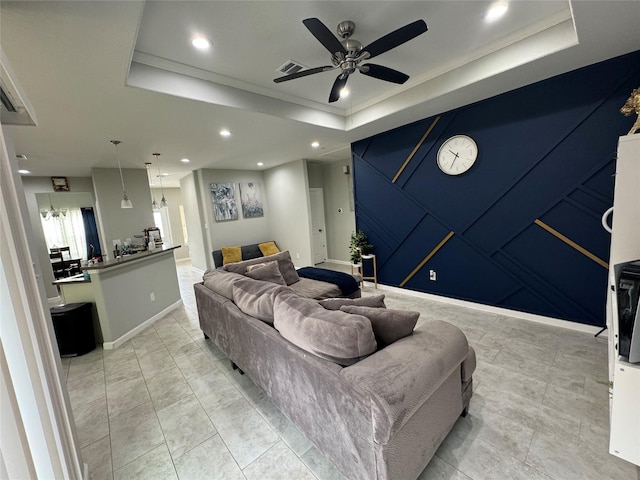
(251, 199)
(223, 196)
(60, 184)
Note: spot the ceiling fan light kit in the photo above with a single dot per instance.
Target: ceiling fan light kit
(348, 54)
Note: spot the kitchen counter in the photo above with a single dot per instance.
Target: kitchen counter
(130, 258)
(129, 293)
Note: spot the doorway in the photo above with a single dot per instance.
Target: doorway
(318, 227)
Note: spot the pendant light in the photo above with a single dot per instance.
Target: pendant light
(154, 204)
(52, 212)
(125, 203)
(163, 202)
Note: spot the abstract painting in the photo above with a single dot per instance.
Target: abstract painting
(251, 198)
(224, 201)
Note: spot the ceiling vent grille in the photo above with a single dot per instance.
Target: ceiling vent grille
(289, 67)
(15, 109)
(6, 100)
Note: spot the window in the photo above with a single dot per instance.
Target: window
(66, 231)
(161, 220)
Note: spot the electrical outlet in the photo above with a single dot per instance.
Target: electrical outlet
(297, 255)
(152, 295)
(432, 275)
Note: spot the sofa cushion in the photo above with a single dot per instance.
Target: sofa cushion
(256, 298)
(287, 269)
(333, 335)
(388, 325)
(268, 248)
(221, 282)
(376, 301)
(251, 251)
(267, 272)
(231, 254)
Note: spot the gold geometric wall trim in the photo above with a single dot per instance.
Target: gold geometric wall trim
(413, 152)
(427, 258)
(571, 243)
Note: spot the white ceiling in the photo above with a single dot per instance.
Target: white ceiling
(95, 71)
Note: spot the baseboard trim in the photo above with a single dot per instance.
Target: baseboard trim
(339, 262)
(143, 326)
(555, 322)
(197, 270)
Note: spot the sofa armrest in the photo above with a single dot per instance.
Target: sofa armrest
(402, 376)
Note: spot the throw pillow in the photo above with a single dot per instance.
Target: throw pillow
(333, 335)
(287, 269)
(221, 282)
(388, 325)
(231, 255)
(256, 298)
(268, 248)
(267, 272)
(376, 301)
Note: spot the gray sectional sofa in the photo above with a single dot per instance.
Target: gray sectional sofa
(376, 411)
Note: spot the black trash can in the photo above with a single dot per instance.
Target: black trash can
(73, 324)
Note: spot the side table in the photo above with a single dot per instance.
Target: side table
(360, 268)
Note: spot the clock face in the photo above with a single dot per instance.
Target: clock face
(457, 155)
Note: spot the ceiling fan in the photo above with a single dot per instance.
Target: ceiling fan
(348, 54)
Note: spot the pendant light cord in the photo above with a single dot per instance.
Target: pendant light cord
(116, 143)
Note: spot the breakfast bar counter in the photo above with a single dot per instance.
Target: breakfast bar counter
(129, 293)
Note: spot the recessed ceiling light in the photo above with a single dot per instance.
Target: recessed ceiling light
(315, 144)
(22, 171)
(344, 93)
(225, 133)
(185, 160)
(260, 164)
(201, 43)
(496, 10)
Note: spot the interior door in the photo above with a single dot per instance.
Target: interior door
(319, 236)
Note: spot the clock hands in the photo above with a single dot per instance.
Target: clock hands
(455, 157)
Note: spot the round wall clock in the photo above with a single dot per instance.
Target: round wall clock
(457, 154)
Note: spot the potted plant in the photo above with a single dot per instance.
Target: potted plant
(359, 245)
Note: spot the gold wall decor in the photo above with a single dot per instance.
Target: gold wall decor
(413, 152)
(427, 258)
(571, 243)
(631, 106)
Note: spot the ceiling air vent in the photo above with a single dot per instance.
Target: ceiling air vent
(6, 101)
(15, 109)
(289, 67)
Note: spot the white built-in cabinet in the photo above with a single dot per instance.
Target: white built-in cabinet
(625, 246)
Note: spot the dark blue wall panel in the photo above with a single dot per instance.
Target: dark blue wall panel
(547, 158)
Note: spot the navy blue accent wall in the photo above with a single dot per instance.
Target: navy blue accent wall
(546, 152)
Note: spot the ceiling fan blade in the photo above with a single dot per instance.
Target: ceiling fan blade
(338, 85)
(396, 38)
(324, 35)
(304, 73)
(384, 73)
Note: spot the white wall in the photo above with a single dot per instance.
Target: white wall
(196, 230)
(121, 223)
(235, 232)
(174, 200)
(336, 197)
(287, 190)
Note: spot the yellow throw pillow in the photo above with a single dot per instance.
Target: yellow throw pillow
(231, 255)
(268, 248)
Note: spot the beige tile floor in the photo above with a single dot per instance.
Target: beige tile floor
(167, 405)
